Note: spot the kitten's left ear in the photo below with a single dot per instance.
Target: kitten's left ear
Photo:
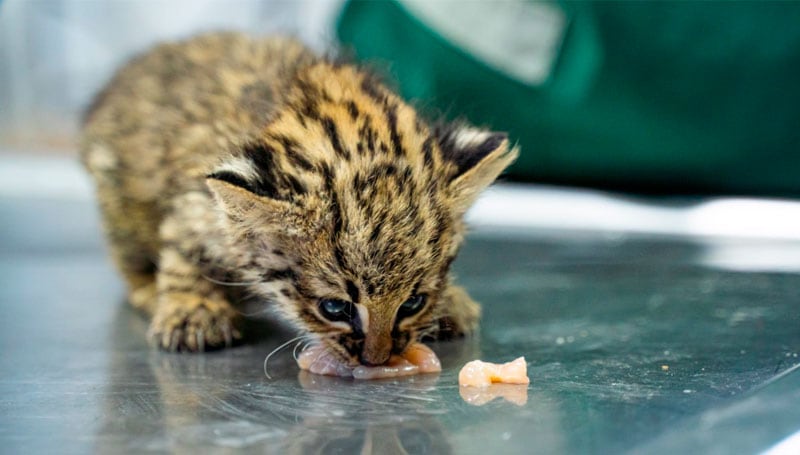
(254, 201)
(479, 157)
(256, 213)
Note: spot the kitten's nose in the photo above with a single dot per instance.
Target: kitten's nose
(377, 349)
(371, 361)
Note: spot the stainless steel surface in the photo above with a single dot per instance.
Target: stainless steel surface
(634, 344)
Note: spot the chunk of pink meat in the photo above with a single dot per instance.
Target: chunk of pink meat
(416, 359)
(319, 360)
(423, 357)
(396, 366)
(483, 374)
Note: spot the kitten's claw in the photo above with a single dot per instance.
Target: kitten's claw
(227, 334)
(201, 342)
(175, 340)
(188, 322)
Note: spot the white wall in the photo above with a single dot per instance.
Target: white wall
(55, 54)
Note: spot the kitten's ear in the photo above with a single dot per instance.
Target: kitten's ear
(479, 157)
(253, 212)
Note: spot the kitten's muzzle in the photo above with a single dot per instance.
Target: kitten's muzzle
(377, 350)
(367, 363)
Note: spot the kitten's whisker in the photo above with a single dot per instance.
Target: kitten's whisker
(274, 351)
(229, 283)
(294, 351)
(305, 344)
(254, 313)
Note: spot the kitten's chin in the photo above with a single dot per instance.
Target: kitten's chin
(416, 359)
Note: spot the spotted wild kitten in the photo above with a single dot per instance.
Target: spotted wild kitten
(227, 159)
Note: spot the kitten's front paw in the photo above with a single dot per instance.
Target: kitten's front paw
(461, 315)
(189, 322)
(144, 298)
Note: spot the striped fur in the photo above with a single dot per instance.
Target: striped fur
(226, 159)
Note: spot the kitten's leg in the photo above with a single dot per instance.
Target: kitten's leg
(192, 313)
(138, 274)
(461, 313)
(133, 243)
(142, 293)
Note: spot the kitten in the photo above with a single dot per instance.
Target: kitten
(225, 160)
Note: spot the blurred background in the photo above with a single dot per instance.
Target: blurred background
(57, 54)
(667, 98)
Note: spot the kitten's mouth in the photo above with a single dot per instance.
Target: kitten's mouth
(416, 359)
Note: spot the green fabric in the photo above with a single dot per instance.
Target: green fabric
(650, 96)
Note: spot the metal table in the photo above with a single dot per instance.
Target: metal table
(637, 344)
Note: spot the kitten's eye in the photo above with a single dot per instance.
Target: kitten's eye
(412, 306)
(336, 310)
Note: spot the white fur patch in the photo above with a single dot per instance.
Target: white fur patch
(363, 313)
(470, 137)
(239, 166)
(100, 158)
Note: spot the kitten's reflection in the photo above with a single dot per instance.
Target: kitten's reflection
(479, 396)
(424, 436)
(320, 384)
(388, 429)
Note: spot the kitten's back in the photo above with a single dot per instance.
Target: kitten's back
(177, 109)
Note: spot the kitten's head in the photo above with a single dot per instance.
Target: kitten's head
(351, 210)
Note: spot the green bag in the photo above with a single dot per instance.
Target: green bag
(669, 97)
